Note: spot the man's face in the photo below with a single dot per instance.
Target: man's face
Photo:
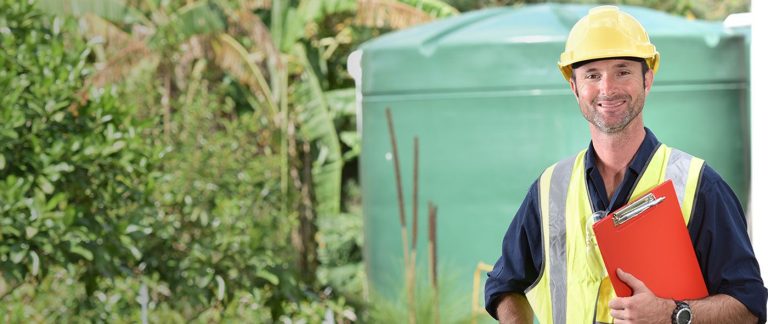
(611, 93)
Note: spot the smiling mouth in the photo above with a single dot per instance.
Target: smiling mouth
(611, 103)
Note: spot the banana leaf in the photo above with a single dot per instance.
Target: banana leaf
(317, 127)
(434, 8)
(232, 57)
(112, 10)
(198, 18)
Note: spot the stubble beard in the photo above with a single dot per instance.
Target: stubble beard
(592, 115)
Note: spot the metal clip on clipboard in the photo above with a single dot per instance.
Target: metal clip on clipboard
(636, 208)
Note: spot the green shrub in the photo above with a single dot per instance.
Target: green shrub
(96, 207)
(74, 176)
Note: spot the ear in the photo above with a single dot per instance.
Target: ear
(648, 81)
(575, 91)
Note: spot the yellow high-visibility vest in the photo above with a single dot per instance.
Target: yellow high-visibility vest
(573, 286)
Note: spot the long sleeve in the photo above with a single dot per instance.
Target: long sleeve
(521, 254)
(718, 231)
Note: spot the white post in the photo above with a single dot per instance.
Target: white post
(757, 209)
(355, 69)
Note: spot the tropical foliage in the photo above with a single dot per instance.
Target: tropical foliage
(176, 161)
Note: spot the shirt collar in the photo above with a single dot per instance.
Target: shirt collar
(643, 154)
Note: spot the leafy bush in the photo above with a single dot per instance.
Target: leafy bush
(340, 248)
(223, 236)
(74, 176)
(219, 204)
(103, 220)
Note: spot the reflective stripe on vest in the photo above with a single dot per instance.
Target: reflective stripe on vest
(573, 286)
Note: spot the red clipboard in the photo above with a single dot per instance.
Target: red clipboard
(649, 239)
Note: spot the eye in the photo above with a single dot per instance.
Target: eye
(624, 72)
(592, 76)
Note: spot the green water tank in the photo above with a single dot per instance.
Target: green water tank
(491, 110)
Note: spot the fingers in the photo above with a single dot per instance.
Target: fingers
(617, 303)
(618, 308)
(617, 316)
(634, 283)
(621, 309)
(642, 307)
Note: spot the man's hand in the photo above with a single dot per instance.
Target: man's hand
(643, 306)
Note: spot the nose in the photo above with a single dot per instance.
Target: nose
(607, 85)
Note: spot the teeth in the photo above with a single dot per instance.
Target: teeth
(611, 104)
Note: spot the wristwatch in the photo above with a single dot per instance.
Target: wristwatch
(682, 313)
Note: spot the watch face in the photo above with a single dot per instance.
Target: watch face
(684, 316)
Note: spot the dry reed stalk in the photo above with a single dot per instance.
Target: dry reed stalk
(415, 233)
(433, 259)
(398, 183)
(403, 230)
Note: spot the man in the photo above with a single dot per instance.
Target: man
(610, 65)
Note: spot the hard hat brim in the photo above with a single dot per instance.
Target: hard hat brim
(566, 68)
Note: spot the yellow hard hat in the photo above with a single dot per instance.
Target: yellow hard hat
(607, 32)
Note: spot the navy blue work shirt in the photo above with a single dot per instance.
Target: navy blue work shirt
(717, 227)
